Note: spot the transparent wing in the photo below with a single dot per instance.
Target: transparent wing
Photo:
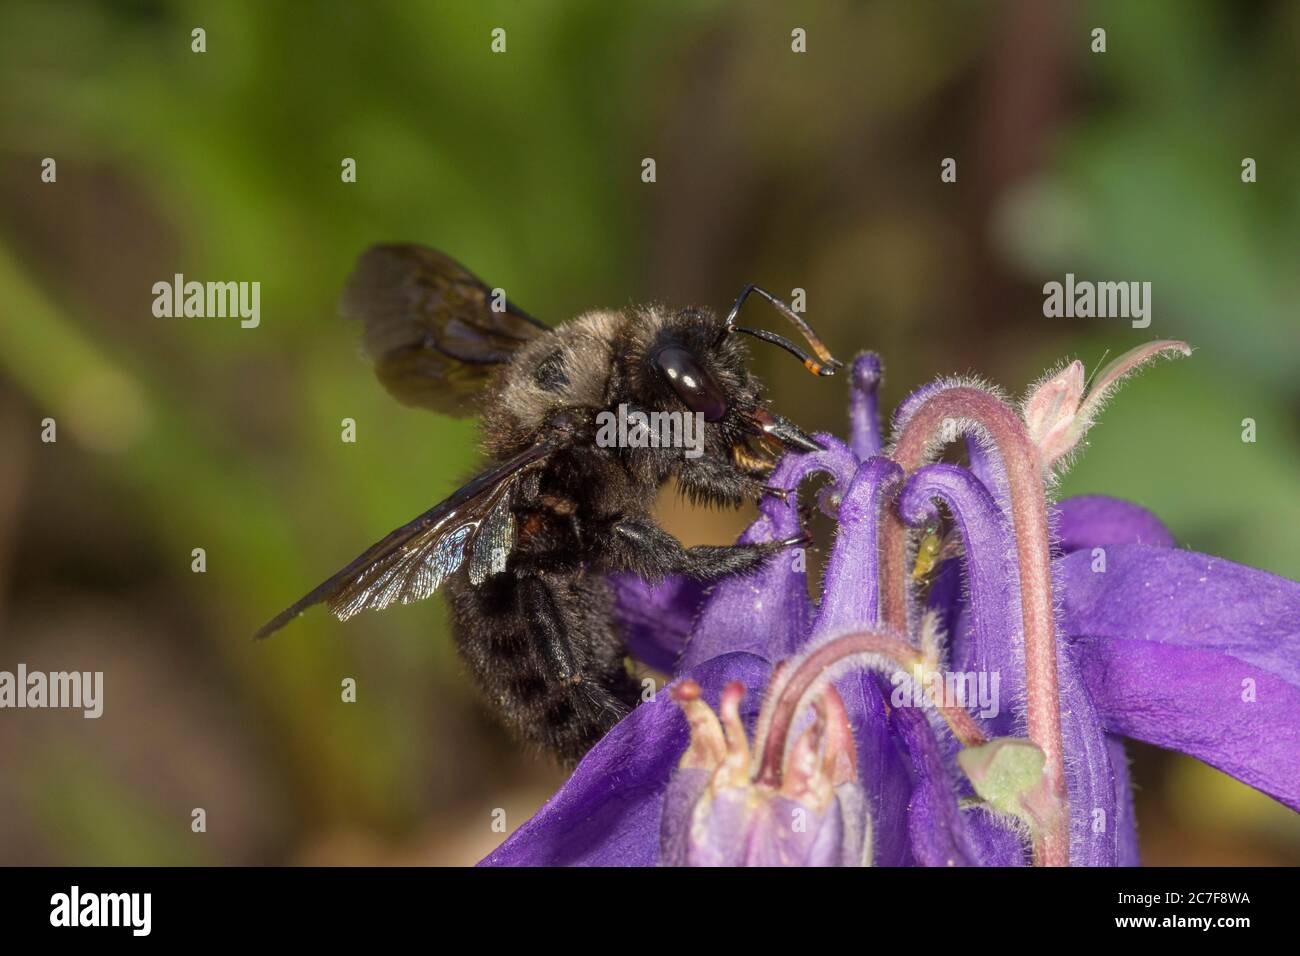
(411, 562)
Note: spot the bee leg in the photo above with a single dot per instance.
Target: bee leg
(707, 562)
(652, 553)
(548, 627)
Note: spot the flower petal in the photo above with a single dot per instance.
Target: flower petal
(608, 812)
(1094, 521)
(852, 593)
(1089, 776)
(988, 641)
(986, 464)
(656, 619)
(996, 843)
(1126, 821)
(1186, 598)
(851, 598)
(935, 825)
(1191, 653)
(885, 778)
(767, 613)
(1205, 703)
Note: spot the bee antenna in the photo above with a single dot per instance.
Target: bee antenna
(810, 363)
(828, 363)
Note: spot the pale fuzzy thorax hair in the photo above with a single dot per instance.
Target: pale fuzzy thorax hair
(583, 348)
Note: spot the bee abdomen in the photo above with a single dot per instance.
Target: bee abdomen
(504, 649)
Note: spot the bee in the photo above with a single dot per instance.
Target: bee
(525, 546)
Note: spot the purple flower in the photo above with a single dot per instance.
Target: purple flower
(730, 807)
(959, 693)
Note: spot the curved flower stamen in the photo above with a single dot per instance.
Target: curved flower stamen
(922, 423)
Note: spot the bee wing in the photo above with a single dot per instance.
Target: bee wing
(430, 327)
(411, 562)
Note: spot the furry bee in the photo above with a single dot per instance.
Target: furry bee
(525, 546)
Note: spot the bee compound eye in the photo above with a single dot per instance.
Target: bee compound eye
(692, 384)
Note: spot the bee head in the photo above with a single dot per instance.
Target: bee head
(691, 360)
(704, 365)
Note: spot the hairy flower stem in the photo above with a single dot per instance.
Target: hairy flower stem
(1033, 552)
(795, 692)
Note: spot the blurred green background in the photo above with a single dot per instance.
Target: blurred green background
(818, 171)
